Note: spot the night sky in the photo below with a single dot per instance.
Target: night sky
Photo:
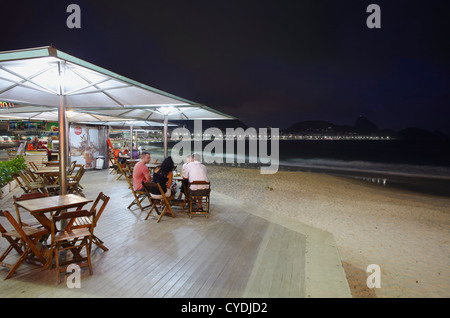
(270, 63)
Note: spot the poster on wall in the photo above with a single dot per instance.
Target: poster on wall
(84, 145)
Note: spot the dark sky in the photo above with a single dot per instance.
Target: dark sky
(270, 63)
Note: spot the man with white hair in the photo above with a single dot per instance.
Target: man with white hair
(196, 171)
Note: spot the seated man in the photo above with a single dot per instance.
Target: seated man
(185, 182)
(141, 173)
(196, 171)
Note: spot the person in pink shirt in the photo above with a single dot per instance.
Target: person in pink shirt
(141, 173)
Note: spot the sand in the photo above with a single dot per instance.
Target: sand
(406, 233)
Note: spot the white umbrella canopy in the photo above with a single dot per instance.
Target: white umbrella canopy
(33, 77)
(48, 77)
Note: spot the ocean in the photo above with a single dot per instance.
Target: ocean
(422, 166)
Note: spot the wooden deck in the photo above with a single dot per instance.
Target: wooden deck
(233, 253)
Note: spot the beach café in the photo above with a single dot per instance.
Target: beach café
(128, 255)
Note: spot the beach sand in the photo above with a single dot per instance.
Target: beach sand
(406, 233)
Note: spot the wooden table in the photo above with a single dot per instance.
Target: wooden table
(55, 204)
(151, 166)
(50, 170)
(49, 173)
(133, 160)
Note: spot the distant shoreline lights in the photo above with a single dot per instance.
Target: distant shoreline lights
(183, 147)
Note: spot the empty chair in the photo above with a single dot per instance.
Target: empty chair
(23, 240)
(85, 222)
(72, 239)
(32, 186)
(72, 167)
(73, 184)
(20, 182)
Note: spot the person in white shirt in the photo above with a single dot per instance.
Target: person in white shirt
(196, 171)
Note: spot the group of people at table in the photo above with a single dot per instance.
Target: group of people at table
(124, 153)
(193, 170)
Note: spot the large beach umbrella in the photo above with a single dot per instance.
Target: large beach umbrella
(48, 77)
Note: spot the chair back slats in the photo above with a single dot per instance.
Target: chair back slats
(86, 222)
(105, 199)
(73, 214)
(32, 186)
(33, 165)
(201, 182)
(72, 167)
(74, 184)
(29, 196)
(20, 182)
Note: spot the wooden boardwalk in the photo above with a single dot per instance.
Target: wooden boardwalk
(233, 253)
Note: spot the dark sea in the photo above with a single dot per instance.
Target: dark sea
(422, 166)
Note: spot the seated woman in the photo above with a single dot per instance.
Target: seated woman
(163, 175)
(134, 153)
(122, 155)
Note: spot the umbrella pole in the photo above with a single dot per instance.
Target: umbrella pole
(165, 135)
(131, 141)
(62, 133)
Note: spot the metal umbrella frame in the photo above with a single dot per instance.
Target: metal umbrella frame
(47, 77)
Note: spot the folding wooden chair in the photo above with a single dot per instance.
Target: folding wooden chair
(158, 199)
(112, 163)
(28, 196)
(20, 182)
(201, 195)
(32, 186)
(72, 167)
(32, 176)
(23, 239)
(121, 169)
(74, 174)
(72, 239)
(85, 222)
(139, 195)
(73, 184)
